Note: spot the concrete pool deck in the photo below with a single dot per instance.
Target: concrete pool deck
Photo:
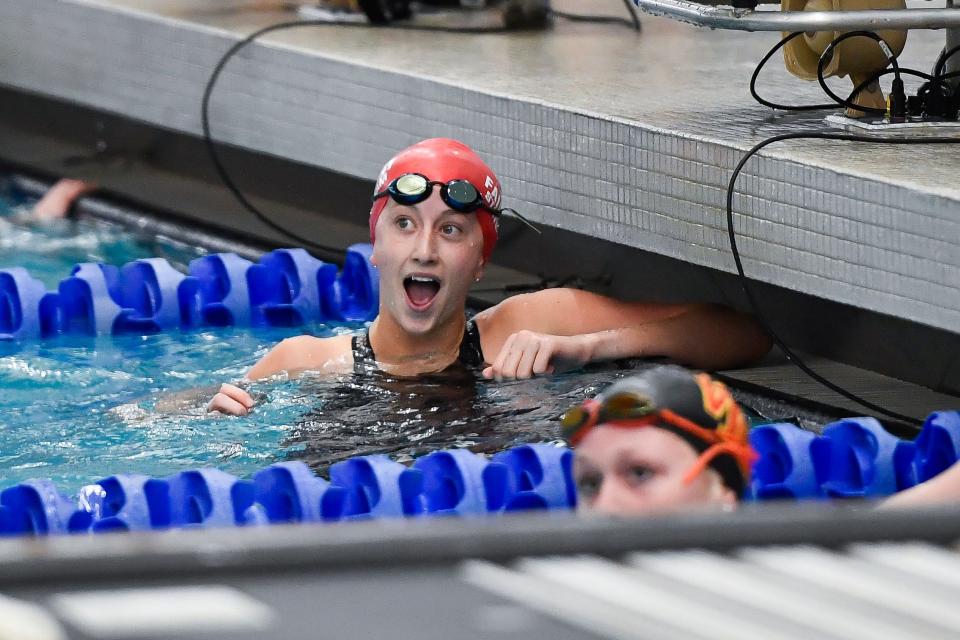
(594, 129)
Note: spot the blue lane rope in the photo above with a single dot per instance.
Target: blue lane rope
(854, 458)
(287, 287)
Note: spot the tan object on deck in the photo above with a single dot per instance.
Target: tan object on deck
(858, 58)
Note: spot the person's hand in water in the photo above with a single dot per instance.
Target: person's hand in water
(527, 353)
(56, 202)
(231, 400)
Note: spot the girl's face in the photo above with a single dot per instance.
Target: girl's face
(428, 256)
(634, 471)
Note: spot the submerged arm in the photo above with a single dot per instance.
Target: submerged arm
(293, 356)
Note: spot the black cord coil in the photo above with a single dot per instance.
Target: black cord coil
(212, 147)
(824, 60)
(938, 68)
(773, 105)
(827, 55)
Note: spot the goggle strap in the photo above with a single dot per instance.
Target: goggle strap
(707, 435)
(743, 455)
(516, 214)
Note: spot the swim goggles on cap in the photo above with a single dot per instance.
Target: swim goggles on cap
(626, 409)
(460, 195)
(616, 408)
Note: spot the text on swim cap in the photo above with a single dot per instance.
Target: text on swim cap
(492, 196)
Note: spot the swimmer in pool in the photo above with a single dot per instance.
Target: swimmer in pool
(60, 198)
(433, 224)
(659, 441)
(670, 439)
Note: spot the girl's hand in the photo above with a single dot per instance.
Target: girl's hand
(527, 353)
(231, 400)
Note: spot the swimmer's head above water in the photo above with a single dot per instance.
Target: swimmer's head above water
(465, 183)
(659, 441)
(433, 223)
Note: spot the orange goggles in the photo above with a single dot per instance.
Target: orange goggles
(617, 408)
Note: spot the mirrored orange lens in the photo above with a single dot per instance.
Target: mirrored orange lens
(626, 405)
(574, 418)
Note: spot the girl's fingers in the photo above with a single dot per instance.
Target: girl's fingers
(225, 404)
(531, 352)
(236, 393)
(541, 365)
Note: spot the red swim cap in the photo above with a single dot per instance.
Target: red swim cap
(443, 160)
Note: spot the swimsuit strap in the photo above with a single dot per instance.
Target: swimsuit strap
(471, 352)
(363, 356)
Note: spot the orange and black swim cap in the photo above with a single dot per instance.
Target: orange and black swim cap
(693, 406)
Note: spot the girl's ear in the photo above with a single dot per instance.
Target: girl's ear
(720, 493)
(728, 498)
(725, 496)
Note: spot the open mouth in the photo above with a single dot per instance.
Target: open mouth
(421, 290)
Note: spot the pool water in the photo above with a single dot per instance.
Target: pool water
(79, 409)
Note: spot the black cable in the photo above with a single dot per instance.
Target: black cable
(879, 74)
(827, 55)
(942, 60)
(633, 22)
(816, 107)
(211, 146)
(773, 105)
(745, 282)
(634, 18)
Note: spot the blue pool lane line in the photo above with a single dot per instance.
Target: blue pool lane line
(287, 287)
(453, 482)
(854, 458)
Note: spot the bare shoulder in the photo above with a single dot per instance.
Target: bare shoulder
(516, 313)
(304, 353)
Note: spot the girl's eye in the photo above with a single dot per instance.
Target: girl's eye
(638, 474)
(588, 485)
(450, 230)
(403, 223)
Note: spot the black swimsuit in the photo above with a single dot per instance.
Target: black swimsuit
(471, 353)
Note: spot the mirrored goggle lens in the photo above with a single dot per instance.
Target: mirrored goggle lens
(627, 405)
(575, 418)
(411, 186)
(462, 196)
